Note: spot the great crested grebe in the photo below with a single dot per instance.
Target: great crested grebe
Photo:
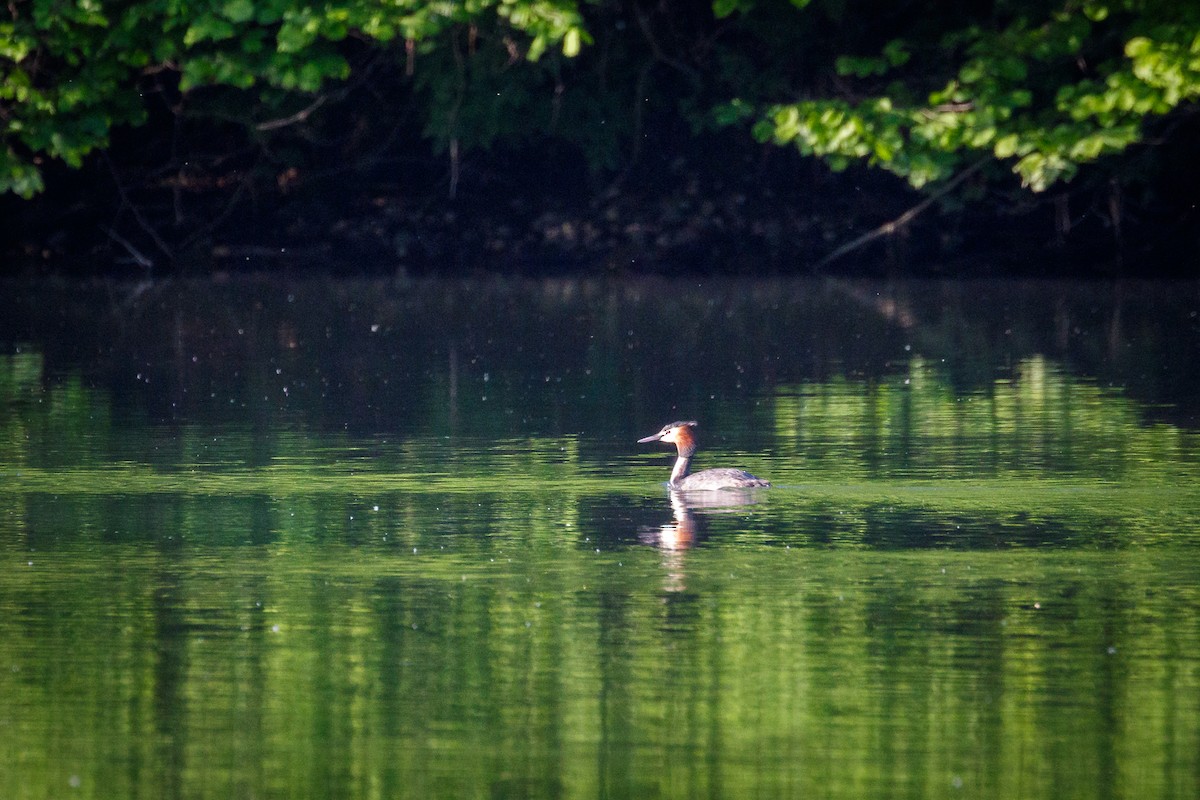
(680, 435)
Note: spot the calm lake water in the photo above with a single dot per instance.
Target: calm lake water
(268, 539)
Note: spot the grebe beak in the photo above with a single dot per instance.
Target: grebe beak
(654, 438)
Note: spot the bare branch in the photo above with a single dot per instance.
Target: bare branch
(299, 116)
(138, 257)
(888, 228)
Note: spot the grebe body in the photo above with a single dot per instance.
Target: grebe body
(680, 434)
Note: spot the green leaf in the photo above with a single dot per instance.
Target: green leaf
(238, 10)
(860, 67)
(882, 151)
(208, 28)
(732, 112)
(1006, 146)
(571, 43)
(896, 52)
(724, 8)
(1137, 46)
(295, 35)
(19, 176)
(787, 124)
(1012, 69)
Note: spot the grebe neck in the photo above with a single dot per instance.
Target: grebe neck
(685, 445)
(680, 471)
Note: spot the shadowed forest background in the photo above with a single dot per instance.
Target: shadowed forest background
(536, 136)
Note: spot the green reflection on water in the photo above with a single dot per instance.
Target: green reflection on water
(550, 670)
(949, 592)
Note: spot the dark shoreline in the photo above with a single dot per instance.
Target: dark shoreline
(761, 212)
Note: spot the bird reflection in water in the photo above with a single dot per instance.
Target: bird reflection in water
(674, 538)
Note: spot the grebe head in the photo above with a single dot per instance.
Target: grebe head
(678, 434)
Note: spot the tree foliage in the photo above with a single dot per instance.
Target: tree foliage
(70, 70)
(923, 89)
(1042, 87)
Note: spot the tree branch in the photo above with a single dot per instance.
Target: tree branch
(137, 215)
(138, 256)
(299, 116)
(888, 228)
